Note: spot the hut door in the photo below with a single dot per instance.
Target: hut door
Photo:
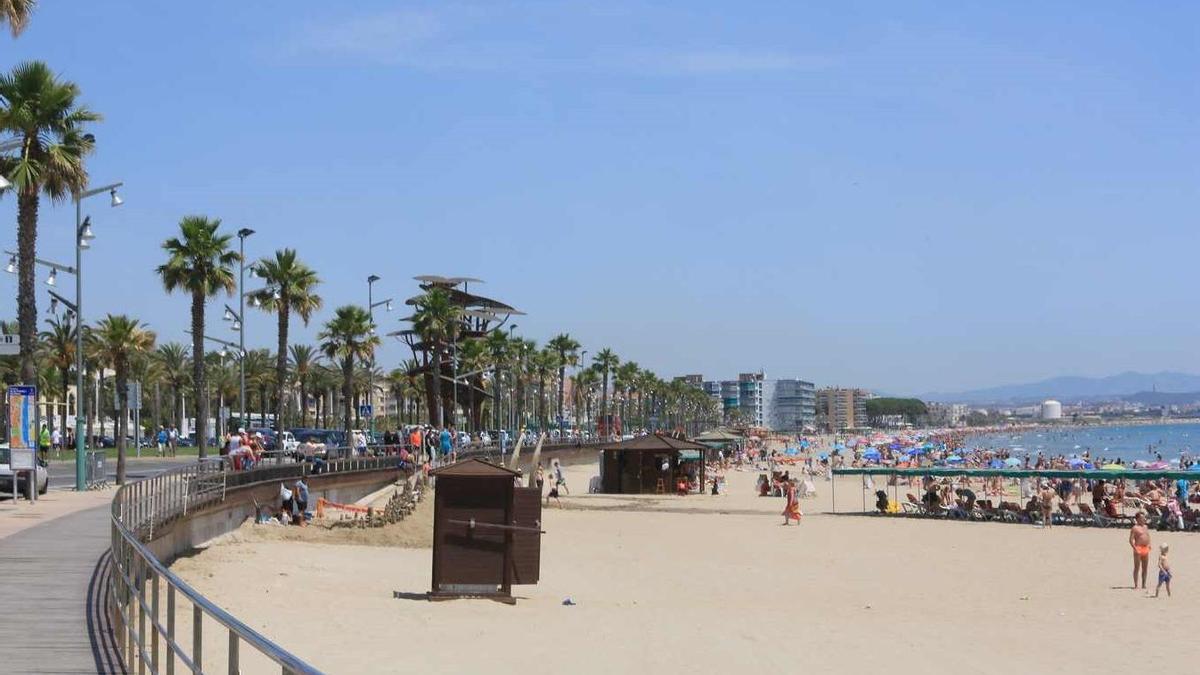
(526, 546)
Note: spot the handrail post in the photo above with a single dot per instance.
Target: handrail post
(233, 653)
(154, 633)
(197, 637)
(170, 628)
(141, 642)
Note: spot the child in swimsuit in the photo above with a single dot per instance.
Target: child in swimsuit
(1164, 570)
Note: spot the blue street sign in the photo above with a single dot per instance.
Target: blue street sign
(365, 411)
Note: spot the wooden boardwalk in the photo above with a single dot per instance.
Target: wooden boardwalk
(52, 583)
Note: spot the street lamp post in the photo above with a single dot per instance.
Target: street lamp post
(579, 367)
(241, 316)
(83, 237)
(225, 344)
(371, 305)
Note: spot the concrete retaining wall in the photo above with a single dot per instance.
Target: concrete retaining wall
(202, 526)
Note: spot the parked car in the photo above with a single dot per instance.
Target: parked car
(288, 442)
(6, 475)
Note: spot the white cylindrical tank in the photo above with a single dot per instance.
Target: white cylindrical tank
(1051, 410)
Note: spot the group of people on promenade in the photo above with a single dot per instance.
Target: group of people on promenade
(244, 450)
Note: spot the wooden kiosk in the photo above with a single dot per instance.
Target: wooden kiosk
(486, 532)
(636, 466)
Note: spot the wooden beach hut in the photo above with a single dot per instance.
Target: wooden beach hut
(647, 464)
(486, 531)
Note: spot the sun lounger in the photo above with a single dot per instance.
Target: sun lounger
(987, 511)
(1012, 513)
(1069, 517)
(913, 507)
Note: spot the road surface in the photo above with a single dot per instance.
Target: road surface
(62, 472)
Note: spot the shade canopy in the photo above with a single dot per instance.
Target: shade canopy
(719, 436)
(1093, 474)
(656, 442)
(473, 467)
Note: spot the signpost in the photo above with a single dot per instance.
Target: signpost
(365, 410)
(23, 435)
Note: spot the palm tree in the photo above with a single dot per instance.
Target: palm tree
(40, 110)
(144, 370)
(543, 362)
(122, 339)
(225, 385)
(498, 347)
(347, 338)
(568, 355)
(605, 361)
(258, 379)
(291, 288)
(436, 321)
(473, 359)
(581, 391)
(58, 345)
(172, 359)
(414, 388)
(522, 351)
(625, 381)
(304, 360)
(201, 263)
(16, 14)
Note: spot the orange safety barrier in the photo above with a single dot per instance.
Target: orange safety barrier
(322, 503)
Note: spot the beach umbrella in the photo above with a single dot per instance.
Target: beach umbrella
(954, 458)
(1113, 467)
(871, 454)
(996, 464)
(1012, 461)
(1075, 462)
(823, 455)
(1141, 464)
(1160, 465)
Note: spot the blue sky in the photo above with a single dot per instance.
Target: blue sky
(927, 197)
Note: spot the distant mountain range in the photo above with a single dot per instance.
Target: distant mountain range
(1069, 389)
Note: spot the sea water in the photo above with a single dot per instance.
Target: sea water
(1129, 443)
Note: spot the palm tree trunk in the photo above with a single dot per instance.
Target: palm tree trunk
(435, 400)
(604, 405)
(100, 401)
(562, 373)
(91, 412)
(303, 402)
(27, 215)
(178, 394)
(281, 363)
(65, 373)
(347, 394)
(199, 397)
(122, 414)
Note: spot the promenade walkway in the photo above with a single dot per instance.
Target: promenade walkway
(51, 590)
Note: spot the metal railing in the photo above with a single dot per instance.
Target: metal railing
(143, 633)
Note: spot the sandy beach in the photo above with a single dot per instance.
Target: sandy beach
(715, 584)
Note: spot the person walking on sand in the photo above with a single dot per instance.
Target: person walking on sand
(559, 479)
(1164, 570)
(792, 509)
(1139, 541)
